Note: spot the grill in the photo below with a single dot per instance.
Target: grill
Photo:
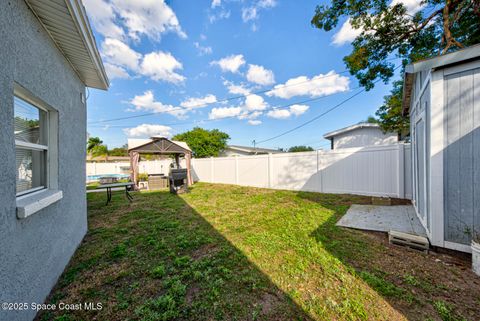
(178, 179)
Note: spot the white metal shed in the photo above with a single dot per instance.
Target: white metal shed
(442, 97)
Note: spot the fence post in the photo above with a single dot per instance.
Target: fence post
(270, 169)
(319, 174)
(401, 170)
(212, 170)
(236, 169)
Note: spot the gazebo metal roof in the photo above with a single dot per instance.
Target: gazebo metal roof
(161, 145)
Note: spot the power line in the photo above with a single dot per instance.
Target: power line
(226, 99)
(236, 116)
(219, 101)
(311, 120)
(317, 117)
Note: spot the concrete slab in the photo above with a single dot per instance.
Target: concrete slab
(400, 218)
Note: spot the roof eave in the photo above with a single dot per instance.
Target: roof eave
(80, 18)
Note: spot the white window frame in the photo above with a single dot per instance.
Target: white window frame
(36, 147)
(33, 200)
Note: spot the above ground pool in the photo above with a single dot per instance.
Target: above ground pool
(97, 177)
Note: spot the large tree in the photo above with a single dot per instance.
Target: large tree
(300, 148)
(203, 142)
(390, 30)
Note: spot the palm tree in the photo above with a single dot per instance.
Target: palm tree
(95, 147)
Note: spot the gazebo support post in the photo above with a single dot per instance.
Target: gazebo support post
(177, 160)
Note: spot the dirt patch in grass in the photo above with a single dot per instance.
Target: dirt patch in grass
(429, 281)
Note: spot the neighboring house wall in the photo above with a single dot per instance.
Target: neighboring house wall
(362, 137)
(34, 251)
(231, 152)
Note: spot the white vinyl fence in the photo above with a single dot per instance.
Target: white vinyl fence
(377, 171)
(150, 167)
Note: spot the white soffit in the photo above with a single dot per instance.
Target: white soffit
(67, 23)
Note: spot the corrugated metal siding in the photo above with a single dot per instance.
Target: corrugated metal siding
(56, 18)
(462, 155)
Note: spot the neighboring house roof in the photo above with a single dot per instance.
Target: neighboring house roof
(67, 24)
(247, 149)
(139, 143)
(463, 55)
(350, 128)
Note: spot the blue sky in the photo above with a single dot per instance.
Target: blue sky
(181, 59)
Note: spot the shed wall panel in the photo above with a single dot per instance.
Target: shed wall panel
(460, 170)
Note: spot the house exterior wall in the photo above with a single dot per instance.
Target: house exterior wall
(362, 137)
(34, 251)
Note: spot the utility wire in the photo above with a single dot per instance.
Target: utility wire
(245, 115)
(222, 100)
(317, 117)
(225, 99)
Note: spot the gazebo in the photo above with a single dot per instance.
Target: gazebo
(160, 146)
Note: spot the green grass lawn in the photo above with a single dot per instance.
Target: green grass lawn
(236, 253)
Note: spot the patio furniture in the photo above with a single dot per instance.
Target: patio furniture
(108, 180)
(109, 187)
(157, 182)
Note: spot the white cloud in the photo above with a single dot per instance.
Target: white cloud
(114, 71)
(102, 16)
(156, 65)
(267, 3)
(236, 89)
(230, 63)
(254, 122)
(259, 75)
(140, 17)
(203, 50)
(119, 53)
(161, 66)
(147, 17)
(224, 112)
(224, 14)
(148, 130)
(346, 34)
(294, 110)
(412, 6)
(249, 13)
(216, 3)
(192, 103)
(297, 110)
(250, 115)
(320, 85)
(279, 113)
(255, 102)
(147, 102)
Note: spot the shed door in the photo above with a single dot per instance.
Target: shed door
(420, 169)
(462, 156)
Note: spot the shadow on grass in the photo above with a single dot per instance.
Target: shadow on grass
(412, 282)
(158, 259)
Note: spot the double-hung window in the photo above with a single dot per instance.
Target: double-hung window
(31, 146)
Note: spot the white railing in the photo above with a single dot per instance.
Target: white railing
(377, 171)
